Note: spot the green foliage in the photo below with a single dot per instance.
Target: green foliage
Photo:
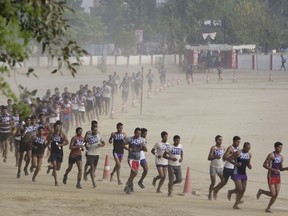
(85, 29)
(126, 40)
(23, 22)
(243, 21)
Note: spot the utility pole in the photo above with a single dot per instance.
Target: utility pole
(138, 24)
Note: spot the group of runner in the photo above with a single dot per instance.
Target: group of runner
(50, 121)
(168, 158)
(232, 163)
(36, 135)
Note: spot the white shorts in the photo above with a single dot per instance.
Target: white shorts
(216, 170)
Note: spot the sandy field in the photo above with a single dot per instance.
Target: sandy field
(252, 108)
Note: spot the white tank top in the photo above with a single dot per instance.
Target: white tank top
(217, 163)
(229, 165)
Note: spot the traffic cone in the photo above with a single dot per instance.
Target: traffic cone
(270, 77)
(187, 186)
(207, 79)
(112, 112)
(106, 172)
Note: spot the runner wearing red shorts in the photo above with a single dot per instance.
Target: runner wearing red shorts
(273, 164)
(134, 145)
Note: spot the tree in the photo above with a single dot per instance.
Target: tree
(126, 40)
(43, 22)
(121, 17)
(85, 29)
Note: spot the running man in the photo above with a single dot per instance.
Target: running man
(117, 138)
(55, 142)
(134, 145)
(26, 132)
(77, 145)
(5, 121)
(106, 96)
(150, 78)
(283, 61)
(93, 142)
(228, 167)
(38, 144)
(219, 70)
(143, 161)
(174, 155)
(216, 163)
(94, 123)
(241, 160)
(161, 163)
(66, 114)
(274, 164)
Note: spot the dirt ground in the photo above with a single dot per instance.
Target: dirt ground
(252, 108)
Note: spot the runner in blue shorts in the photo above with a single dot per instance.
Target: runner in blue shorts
(56, 140)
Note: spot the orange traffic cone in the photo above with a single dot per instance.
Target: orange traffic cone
(112, 112)
(106, 173)
(187, 186)
(270, 77)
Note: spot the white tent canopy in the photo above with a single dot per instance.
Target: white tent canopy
(212, 47)
(221, 47)
(245, 46)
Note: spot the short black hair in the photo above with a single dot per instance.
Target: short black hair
(176, 137)
(40, 128)
(277, 144)
(235, 138)
(137, 129)
(119, 124)
(217, 137)
(163, 133)
(78, 129)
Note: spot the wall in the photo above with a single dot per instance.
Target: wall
(244, 61)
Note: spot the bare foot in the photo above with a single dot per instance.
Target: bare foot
(158, 191)
(258, 194)
(229, 194)
(209, 197)
(154, 181)
(236, 207)
(215, 193)
(268, 210)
